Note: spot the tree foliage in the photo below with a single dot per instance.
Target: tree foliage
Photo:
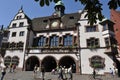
(93, 8)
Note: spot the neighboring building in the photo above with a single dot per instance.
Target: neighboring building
(115, 17)
(3, 40)
(60, 40)
(18, 31)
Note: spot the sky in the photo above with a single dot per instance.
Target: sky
(8, 9)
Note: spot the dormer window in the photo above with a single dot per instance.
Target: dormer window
(21, 24)
(19, 17)
(45, 21)
(71, 17)
(14, 25)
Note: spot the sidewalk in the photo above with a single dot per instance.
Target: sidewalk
(28, 75)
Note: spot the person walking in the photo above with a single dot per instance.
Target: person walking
(3, 73)
(14, 67)
(60, 73)
(112, 72)
(11, 68)
(94, 73)
(70, 72)
(35, 71)
(43, 71)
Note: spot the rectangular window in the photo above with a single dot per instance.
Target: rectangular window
(91, 28)
(21, 33)
(21, 24)
(107, 41)
(105, 27)
(13, 34)
(68, 40)
(14, 25)
(54, 41)
(41, 41)
(93, 42)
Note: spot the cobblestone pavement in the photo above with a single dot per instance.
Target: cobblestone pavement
(28, 75)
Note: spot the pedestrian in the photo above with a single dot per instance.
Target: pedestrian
(3, 72)
(43, 71)
(70, 72)
(14, 67)
(60, 73)
(10, 68)
(35, 70)
(112, 72)
(94, 73)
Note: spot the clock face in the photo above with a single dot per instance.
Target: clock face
(55, 24)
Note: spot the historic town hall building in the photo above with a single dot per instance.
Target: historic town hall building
(60, 40)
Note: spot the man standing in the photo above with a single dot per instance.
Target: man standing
(3, 73)
(94, 73)
(70, 72)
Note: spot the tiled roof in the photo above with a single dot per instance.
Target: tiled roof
(68, 20)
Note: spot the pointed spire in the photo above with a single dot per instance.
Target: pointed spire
(21, 9)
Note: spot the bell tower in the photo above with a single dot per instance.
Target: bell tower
(59, 8)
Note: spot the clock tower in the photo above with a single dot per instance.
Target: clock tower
(59, 8)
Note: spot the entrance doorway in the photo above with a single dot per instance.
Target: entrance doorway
(31, 62)
(67, 61)
(49, 63)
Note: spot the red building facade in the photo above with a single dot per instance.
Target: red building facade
(115, 17)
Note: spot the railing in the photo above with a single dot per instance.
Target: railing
(73, 49)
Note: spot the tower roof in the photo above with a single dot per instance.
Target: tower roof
(59, 3)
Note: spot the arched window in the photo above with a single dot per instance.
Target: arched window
(97, 62)
(15, 60)
(7, 60)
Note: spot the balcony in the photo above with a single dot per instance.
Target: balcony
(49, 50)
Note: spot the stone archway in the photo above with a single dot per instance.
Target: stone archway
(49, 63)
(67, 61)
(31, 62)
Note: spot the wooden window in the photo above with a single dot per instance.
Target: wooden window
(68, 40)
(41, 41)
(54, 40)
(93, 42)
(21, 33)
(91, 28)
(13, 34)
(21, 24)
(14, 25)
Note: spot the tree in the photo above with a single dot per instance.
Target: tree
(93, 7)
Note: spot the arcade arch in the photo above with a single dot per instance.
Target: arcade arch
(31, 62)
(67, 61)
(49, 63)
